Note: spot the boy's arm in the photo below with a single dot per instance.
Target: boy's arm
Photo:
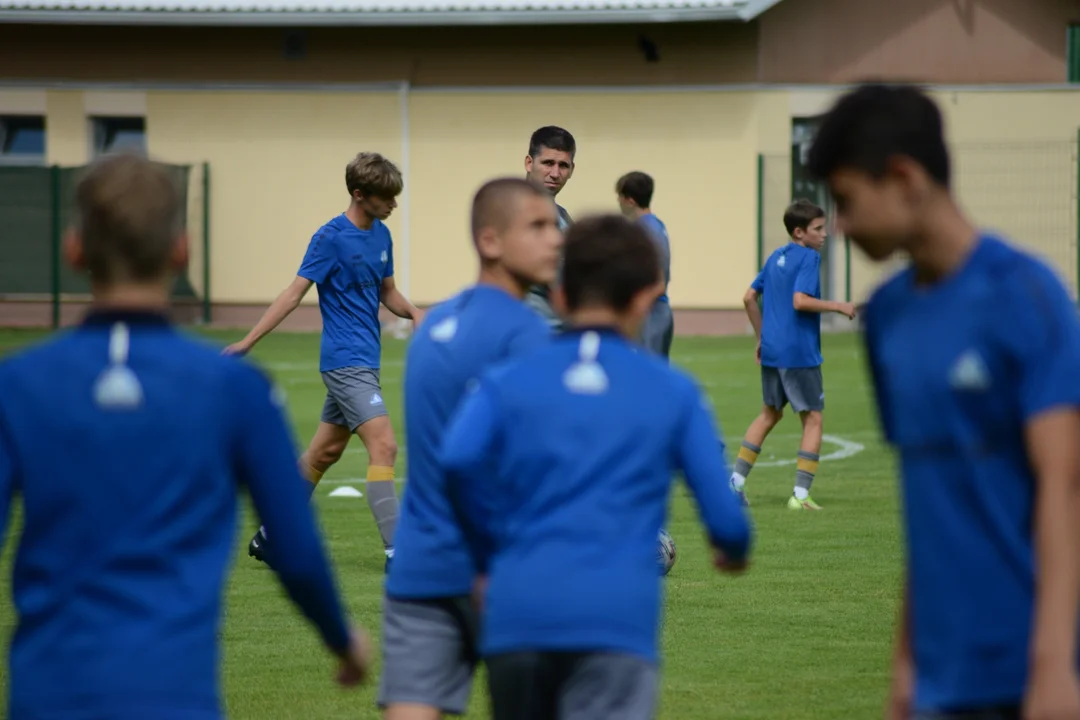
(266, 462)
(701, 458)
(1049, 347)
(467, 455)
(750, 302)
(281, 308)
(397, 303)
(902, 686)
(808, 284)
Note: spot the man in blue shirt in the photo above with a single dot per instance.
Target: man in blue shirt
(634, 192)
(974, 350)
(351, 260)
(128, 529)
(429, 643)
(788, 328)
(549, 164)
(561, 476)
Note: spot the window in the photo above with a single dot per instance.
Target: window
(1072, 54)
(22, 140)
(119, 134)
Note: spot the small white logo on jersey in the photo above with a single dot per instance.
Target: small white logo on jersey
(587, 376)
(384, 256)
(782, 261)
(117, 388)
(277, 396)
(969, 372)
(445, 330)
(376, 399)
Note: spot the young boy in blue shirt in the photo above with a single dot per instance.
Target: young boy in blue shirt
(974, 350)
(634, 192)
(129, 526)
(788, 330)
(351, 261)
(429, 636)
(561, 476)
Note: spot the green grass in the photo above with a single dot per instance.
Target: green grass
(804, 635)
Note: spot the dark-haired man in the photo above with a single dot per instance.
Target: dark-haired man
(974, 350)
(561, 435)
(634, 193)
(128, 532)
(788, 329)
(429, 624)
(550, 164)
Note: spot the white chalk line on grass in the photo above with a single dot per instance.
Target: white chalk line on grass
(845, 449)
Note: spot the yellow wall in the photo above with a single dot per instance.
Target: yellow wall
(277, 165)
(700, 148)
(277, 162)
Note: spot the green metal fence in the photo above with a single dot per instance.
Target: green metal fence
(1028, 191)
(37, 205)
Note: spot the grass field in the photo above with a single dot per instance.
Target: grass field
(804, 635)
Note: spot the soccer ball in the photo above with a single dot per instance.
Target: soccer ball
(665, 552)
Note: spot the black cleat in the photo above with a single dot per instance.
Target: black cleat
(257, 546)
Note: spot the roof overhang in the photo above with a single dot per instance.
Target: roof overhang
(358, 13)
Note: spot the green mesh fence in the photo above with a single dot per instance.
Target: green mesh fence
(37, 204)
(1026, 191)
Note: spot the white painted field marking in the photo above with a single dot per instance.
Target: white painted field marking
(847, 448)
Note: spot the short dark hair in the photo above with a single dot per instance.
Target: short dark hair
(637, 186)
(608, 261)
(374, 176)
(129, 216)
(552, 137)
(875, 122)
(800, 214)
(492, 203)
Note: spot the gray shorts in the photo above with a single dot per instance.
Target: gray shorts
(571, 686)
(802, 387)
(659, 329)
(429, 653)
(353, 396)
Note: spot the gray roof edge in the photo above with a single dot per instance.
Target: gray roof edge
(413, 18)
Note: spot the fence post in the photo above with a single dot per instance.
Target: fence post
(760, 212)
(57, 233)
(1076, 161)
(207, 309)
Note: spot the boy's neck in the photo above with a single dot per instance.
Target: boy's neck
(152, 297)
(641, 212)
(358, 217)
(601, 317)
(944, 244)
(498, 276)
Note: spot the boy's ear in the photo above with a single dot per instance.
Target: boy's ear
(73, 250)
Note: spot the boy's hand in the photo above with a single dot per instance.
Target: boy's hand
(237, 348)
(355, 661)
(901, 690)
(848, 309)
(1053, 693)
(757, 352)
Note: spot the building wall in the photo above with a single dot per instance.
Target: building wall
(933, 41)
(689, 53)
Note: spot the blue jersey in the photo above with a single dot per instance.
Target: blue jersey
(959, 369)
(128, 444)
(348, 265)
(789, 338)
(458, 340)
(580, 470)
(658, 233)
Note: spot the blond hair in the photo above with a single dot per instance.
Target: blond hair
(372, 175)
(129, 218)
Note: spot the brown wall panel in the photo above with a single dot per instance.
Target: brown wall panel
(939, 41)
(690, 53)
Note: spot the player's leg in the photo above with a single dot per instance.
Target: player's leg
(522, 686)
(772, 411)
(657, 328)
(429, 658)
(326, 448)
(359, 396)
(609, 686)
(806, 393)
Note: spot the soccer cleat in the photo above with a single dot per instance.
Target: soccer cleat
(257, 546)
(741, 493)
(796, 504)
